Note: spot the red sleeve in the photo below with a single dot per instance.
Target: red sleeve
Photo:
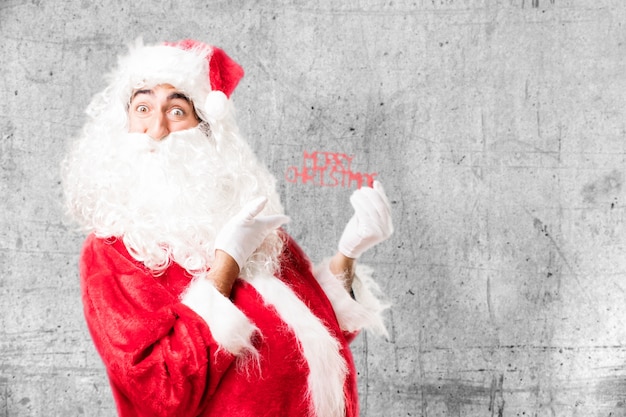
(353, 312)
(160, 355)
(294, 259)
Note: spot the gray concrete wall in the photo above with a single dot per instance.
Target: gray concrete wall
(497, 127)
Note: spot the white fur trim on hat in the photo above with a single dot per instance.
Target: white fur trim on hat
(204, 73)
(147, 66)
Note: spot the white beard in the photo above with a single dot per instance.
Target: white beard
(167, 200)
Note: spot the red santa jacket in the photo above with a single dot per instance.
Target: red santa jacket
(174, 346)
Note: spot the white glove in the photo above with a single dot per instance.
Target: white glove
(245, 232)
(370, 224)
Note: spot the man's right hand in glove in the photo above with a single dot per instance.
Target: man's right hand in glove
(238, 239)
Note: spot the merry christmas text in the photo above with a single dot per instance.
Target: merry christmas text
(328, 169)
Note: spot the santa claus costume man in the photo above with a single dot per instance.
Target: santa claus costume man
(198, 302)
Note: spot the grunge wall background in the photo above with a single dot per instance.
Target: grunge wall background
(496, 126)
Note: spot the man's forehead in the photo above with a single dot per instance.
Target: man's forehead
(143, 91)
(173, 93)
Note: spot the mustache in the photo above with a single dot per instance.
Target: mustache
(142, 143)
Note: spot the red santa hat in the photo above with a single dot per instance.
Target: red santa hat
(205, 73)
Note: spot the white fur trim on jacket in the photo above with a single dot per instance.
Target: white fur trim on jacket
(327, 368)
(365, 310)
(229, 326)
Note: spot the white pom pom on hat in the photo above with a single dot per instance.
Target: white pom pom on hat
(216, 105)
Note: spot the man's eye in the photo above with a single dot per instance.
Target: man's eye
(177, 112)
(142, 108)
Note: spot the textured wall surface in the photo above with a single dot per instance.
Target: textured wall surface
(497, 127)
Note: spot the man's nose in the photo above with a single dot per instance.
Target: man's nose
(158, 127)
